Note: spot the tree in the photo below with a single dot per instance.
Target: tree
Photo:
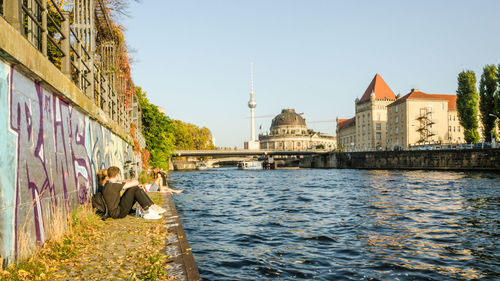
(157, 131)
(487, 91)
(467, 104)
(164, 135)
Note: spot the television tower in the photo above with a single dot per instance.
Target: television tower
(252, 104)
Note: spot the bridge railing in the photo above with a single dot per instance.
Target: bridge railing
(66, 35)
(243, 152)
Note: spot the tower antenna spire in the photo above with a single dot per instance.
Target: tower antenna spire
(251, 77)
(252, 104)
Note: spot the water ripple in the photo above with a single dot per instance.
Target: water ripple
(341, 224)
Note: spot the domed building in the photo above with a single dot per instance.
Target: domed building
(289, 132)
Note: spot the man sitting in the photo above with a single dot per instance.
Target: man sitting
(120, 205)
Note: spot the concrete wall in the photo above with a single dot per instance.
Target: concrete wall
(468, 159)
(49, 154)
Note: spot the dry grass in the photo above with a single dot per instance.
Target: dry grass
(83, 247)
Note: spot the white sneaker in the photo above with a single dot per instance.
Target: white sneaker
(150, 214)
(158, 209)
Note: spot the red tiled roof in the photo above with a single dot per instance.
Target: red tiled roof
(452, 101)
(379, 88)
(416, 94)
(342, 123)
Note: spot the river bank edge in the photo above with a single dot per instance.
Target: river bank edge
(447, 160)
(131, 248)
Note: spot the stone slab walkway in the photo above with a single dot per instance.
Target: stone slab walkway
(116, 249)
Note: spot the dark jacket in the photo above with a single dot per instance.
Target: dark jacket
(111, 193)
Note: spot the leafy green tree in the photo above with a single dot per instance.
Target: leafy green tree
(157, 131)
(467, 105)
(164, 135)
(487, 90)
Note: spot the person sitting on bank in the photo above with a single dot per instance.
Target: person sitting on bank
(120, 205)
(160, 182)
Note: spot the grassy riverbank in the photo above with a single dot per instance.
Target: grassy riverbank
(92, 249)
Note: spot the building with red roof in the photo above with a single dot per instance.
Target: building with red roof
(371, 115)
(346, 134)
(419, 118)
(379, 89)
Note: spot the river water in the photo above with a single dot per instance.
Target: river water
(341, 224)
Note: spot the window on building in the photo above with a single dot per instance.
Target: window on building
(379, 136)
(379, 126)
(397, 119)
(458, 128)
(397, 130)
(453, 117)
(454, 128)
(449, 128)
(396, 108)
(449, 117)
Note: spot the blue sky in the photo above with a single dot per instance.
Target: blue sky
(193, 57)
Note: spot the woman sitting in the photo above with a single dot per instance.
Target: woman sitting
(102, 178)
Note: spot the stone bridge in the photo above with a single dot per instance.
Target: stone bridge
(219, 156)
(244, 152)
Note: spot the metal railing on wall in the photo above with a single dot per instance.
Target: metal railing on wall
(66, 36)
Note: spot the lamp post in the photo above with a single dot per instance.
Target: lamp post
(493, 140)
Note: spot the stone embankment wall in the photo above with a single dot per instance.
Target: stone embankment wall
(51, 146)
(320, 161)
(469, 159)
(183, 165)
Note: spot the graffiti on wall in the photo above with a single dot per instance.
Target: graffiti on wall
(107, 149)
(7, 169)
(55, 155)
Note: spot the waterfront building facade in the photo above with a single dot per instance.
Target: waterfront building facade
(371, 115)
(419, 118)
(346, 134)
(289, 132)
